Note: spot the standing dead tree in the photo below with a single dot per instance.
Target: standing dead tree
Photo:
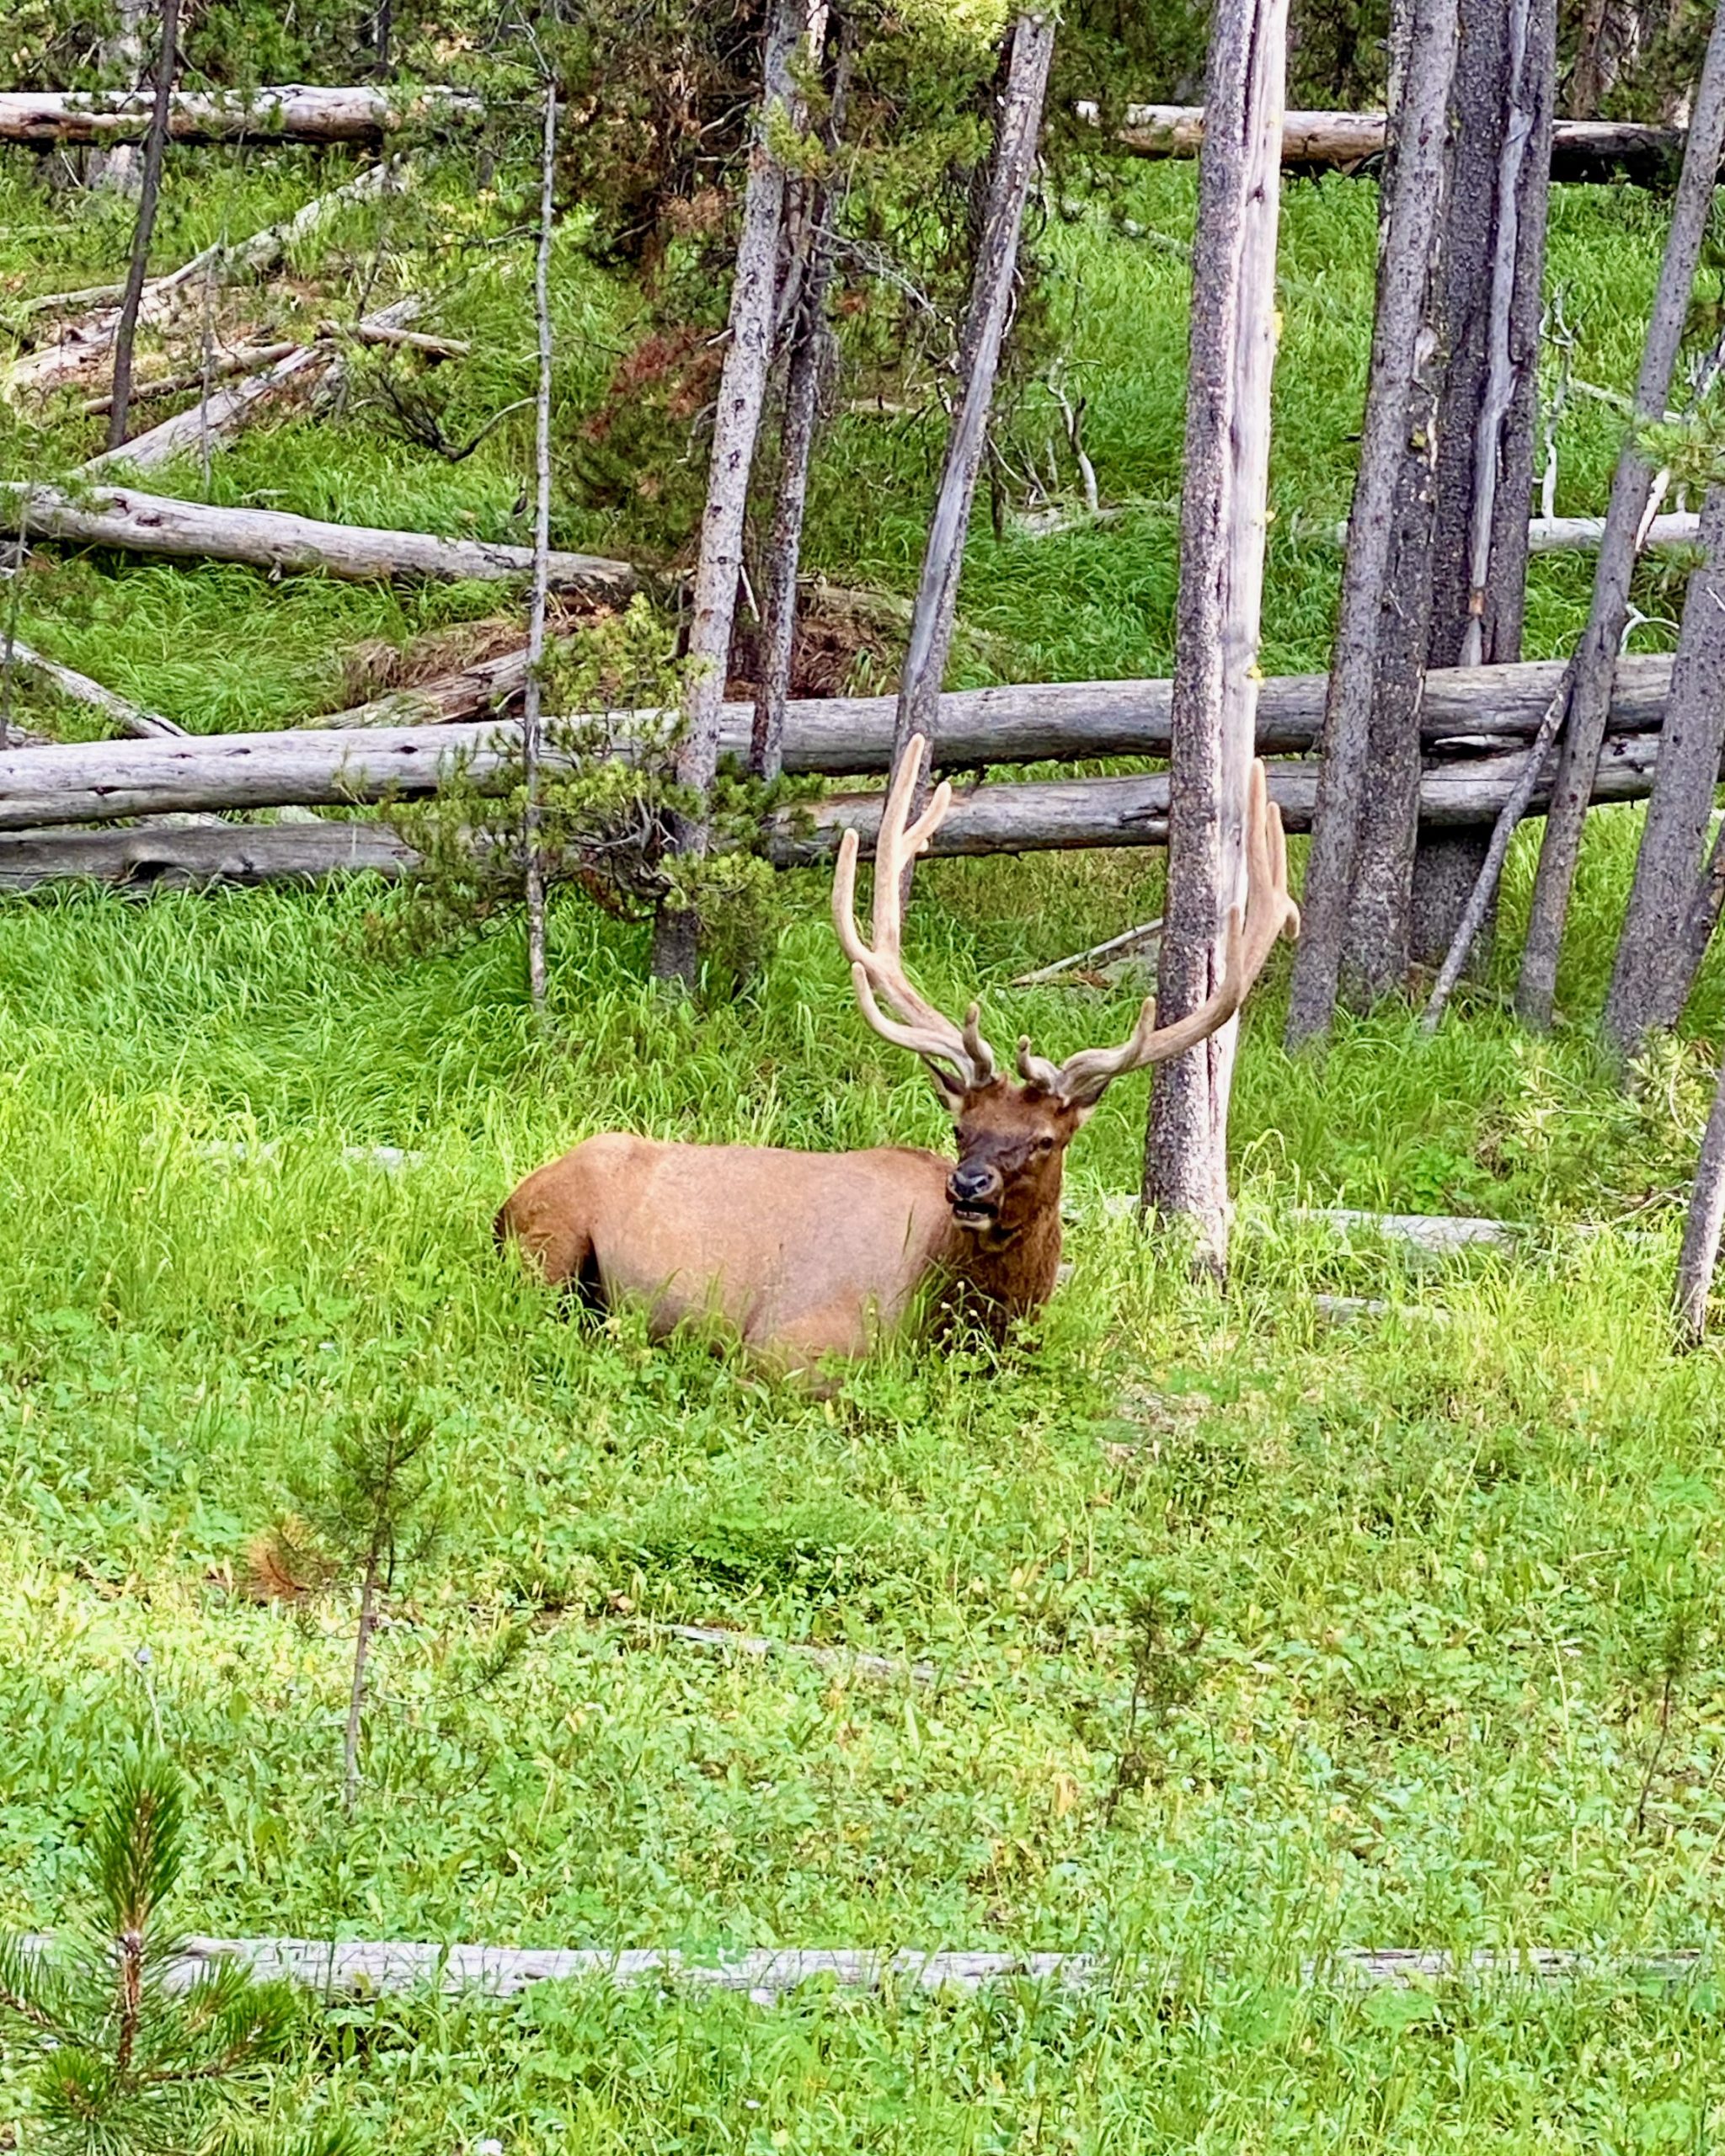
(1702, 1228)
(1495, 249)
(808, 224)
(1222, 519)
(533, 866)
(936, 609)
(1657, 959)
(742, 392)
(1377, 672)
(1632, 496)
(122, 56)
(149, 193)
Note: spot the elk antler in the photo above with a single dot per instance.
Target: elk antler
(1269, 912)
(878, 974)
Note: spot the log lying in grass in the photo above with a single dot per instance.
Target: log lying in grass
(87, 782)
(348, 1968)
(1347, 142)
(1558, 534)
(224, 364)
(53, 786)
(130, 718)
(272, 539)
(290, 112)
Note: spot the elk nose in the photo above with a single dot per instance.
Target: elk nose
(970, 1182)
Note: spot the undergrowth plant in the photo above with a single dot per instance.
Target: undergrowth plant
(130, 2056)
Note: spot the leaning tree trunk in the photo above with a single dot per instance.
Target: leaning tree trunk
(149, 193)
(1223, 512)
(1701, 1229)
(1631, 489)
(1377, 671)
(1651, 980)
(991, 300)
(742, 391)
(1505, 89)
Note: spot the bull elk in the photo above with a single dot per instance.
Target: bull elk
(812, 1256)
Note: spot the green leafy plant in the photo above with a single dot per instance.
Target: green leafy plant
(131, 2055)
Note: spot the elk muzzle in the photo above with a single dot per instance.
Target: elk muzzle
(974, 1190)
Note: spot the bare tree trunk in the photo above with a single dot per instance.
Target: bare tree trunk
(116, 169)
(985, 328)
(1505, 89)
(533, 865)
(149, 192)
(810, 340)
(1652, 947)
(1631, 488)
(742, 391)
(1702, 1228)
(1400, 432)
(1222, 517)
(356, 1695)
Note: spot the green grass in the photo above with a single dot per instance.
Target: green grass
(1414, 1579)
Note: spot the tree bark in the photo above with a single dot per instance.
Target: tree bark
(742, 392)
(149, 194)
(116, 169)
(533, 867)
(1379, 633)
(1631, 488)
(141, 725)
(287, 113)
(984, 330)
(1505, 89)
(272, 539)
(1222, 520)
(810, 341)
(1652, 947)
(1702, 1227)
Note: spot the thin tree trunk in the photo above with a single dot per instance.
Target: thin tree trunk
(742, 392)
(1701, 1229)
(14, 597)
(356, 1696)
(1505, 89)
(1399, 430)
(116, 169)
(1651, 947)
(149, 193)
(1632, 489)
(534, 867)
(1222, 517)
(810, 341)
(985, 328)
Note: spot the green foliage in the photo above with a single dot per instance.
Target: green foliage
(129, 2060)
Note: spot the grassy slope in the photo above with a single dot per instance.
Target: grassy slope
(1413, 1578)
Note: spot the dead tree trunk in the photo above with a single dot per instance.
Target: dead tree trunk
(149, 193)
(985, 328)
(1378, 664)
(116, 169)
(810, 341)
(742, 390)
(1632, 489)
(1505, 89)
(1701, 1229)
(1651, 980)
(1222, 517)
(533, 867)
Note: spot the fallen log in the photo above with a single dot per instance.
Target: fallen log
(272, 539)
(317, 767)
(291, 112)
(130, 718)
(1039, 816)
(304, 370)
(1582, 150)
(1556, 535)
(224, 364)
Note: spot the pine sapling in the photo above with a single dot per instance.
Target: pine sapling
(129, 2055)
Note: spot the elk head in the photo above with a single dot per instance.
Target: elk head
(1011, 1136)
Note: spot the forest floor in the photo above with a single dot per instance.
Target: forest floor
(1257, 1635)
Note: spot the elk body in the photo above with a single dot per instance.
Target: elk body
(815, 1256)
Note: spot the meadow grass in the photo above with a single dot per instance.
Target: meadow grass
(1419, 1613)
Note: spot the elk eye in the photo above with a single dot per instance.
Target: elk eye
(1044, 1145)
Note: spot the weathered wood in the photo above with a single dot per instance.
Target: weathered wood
(1223, 516)
(532, 731)
(272, 539)
(1702, 1227)
(1351, 142)
(144, 227)
(321, 765)
(1556, 535)
(1652, 975)
(1632, 490)
(363, 1969)
(236, 359)
(290, 112)
(1378, 652)
(130, 718)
